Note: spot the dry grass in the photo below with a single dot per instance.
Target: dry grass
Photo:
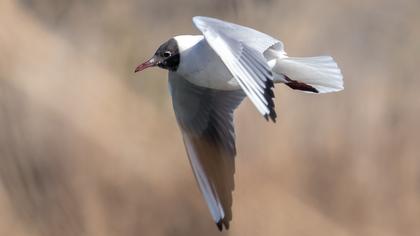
(89, 148)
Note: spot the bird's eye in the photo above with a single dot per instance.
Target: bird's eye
(167, 54)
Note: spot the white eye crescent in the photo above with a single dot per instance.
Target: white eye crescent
(167, 54)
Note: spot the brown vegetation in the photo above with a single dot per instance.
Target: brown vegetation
(89, 148)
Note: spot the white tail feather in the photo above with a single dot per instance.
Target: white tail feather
(320, 72)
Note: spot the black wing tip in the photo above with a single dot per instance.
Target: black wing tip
(271, 116)
(221, 223)
(269, 96)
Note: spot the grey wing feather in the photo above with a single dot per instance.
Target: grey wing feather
(250, 37)
(241, 50)
(205, 117)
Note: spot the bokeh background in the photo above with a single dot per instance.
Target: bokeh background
(87, 147)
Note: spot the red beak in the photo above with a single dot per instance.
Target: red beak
(150, 63)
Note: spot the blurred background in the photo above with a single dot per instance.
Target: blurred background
(87, 147)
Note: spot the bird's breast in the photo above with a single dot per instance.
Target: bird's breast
(201, 66)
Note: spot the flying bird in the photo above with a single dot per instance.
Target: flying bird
(210, 75)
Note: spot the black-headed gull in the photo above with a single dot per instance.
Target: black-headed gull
(210, 75)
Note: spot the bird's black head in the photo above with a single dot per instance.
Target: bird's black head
(166, 57)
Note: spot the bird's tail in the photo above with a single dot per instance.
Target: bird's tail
(311, 74)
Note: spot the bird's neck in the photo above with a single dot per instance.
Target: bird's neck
(186, 42)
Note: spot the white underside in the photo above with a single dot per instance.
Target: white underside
(201, 66)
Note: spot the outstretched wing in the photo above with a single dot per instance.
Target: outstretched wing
(241, 50)
(205, 117)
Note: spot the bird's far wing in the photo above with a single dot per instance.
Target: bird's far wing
(241, 50)
(252, 38)
(205, 117)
